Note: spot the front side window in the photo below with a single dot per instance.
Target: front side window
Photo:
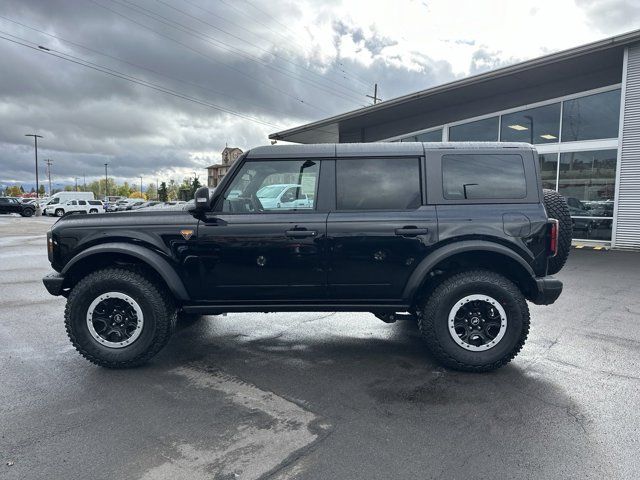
(591, 117)
(483, 176)
(273, 186)
(479, 131)
(536, 125)
(378, 184)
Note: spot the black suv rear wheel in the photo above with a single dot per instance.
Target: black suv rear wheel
(475, 321)
(117, 318)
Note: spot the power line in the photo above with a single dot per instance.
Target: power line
(266, 50)
(226, 46)
(211, 59)
(134, 64)
(132, 79)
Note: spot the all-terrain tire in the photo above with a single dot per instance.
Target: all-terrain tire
(434, 321)
(557, 208)
(158, 309)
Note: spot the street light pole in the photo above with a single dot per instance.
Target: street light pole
(140, 187)
(106, 182)
(35, 141)
(49, 162)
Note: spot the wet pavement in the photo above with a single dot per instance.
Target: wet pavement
(321, 395)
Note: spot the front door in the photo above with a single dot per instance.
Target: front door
(258, 248)
(380, 230)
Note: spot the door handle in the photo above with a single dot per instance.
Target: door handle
(411, 231)
(300, 233)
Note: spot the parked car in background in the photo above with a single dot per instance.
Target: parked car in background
(57, 199)
(14, 205)
(285, 195)
(138, 206)
(82, 206)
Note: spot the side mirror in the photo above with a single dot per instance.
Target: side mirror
(202, 200)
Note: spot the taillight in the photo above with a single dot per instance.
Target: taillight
(553, 237)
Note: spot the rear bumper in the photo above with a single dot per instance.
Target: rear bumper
(53, 283)
(549, 289)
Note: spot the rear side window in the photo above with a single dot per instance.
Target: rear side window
(94, 202)
(378, 184)
(483, 176)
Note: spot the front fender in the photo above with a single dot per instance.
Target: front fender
(446, 251)
(155, 261)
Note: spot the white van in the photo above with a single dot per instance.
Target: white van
(55, 205)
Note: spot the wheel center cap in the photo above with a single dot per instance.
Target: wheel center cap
(475, 321)
(118, 318)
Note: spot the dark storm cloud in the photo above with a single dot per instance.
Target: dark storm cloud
(89, 118)
(612, 16)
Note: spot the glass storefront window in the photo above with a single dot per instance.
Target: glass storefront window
(548, 169)
(591, 117)
(479, 131)
(587, 180)
(536, 125)
(434, 136)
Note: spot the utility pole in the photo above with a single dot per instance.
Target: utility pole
(375, 97)
(76, 178)
(140, 187)
(84, 182)
(106, 181)
(49, 162)
(35, 141)
(157, 190)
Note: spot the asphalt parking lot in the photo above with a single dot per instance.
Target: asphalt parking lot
(321, 396)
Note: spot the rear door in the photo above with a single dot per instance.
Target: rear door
(381, 228)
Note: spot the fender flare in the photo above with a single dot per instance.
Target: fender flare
(446, 251)
(155, 261)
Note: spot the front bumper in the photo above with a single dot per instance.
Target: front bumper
(54, 283)
(548, 290)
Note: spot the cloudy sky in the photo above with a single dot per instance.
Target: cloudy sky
(158, 87)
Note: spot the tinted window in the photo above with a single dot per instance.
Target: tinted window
(273, 185)
(4, 200)
(94, 202)
(591, 117)
(536, 125)
(82, 202)
(378, 184)
(478, 176)
(479, 131)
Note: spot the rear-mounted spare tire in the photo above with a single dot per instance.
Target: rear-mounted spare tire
(557, 208)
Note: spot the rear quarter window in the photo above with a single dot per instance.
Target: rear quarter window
(483, 176)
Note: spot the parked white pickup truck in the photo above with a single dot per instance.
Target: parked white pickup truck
(85, 206)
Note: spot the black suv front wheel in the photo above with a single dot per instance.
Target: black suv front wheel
(475, 321)
(117, 318)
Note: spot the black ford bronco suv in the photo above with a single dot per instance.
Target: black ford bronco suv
(457, 236)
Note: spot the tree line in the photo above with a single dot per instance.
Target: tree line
(166, 191)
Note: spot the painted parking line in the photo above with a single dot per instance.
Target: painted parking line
(590, 247)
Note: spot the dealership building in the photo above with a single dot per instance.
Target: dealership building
(579, 107)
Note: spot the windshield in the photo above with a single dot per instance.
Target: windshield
(270, 191)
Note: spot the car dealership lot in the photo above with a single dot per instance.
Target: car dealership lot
(321, 395)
